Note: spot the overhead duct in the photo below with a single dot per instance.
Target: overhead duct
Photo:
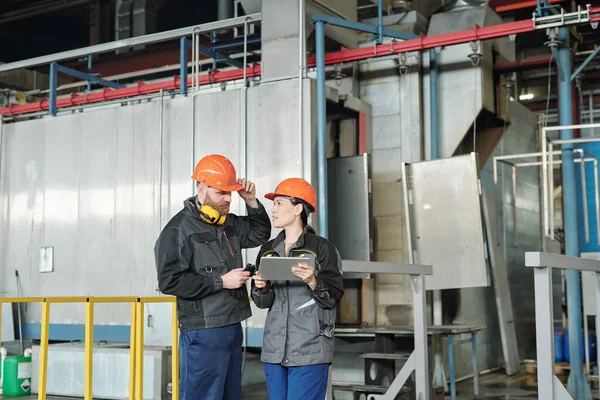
(279, 31)
(467, 93)
(465, 4)
(135, 18)
(225, 9)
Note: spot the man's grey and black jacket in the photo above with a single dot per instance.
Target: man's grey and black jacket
(300, 322)
(192, 255)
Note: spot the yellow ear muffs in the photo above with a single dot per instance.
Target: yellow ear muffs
(211, 216)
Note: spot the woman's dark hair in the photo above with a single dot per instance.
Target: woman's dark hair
(305, 210)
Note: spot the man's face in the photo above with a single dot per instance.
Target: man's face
(217, 199)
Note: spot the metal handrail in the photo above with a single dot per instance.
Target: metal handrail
(131, 42)
(136, 350)
(549, 386)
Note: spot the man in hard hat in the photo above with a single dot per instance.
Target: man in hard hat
(199, 260)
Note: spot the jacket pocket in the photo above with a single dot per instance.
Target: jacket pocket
(326, 322)
(303, 331)
(208, 258)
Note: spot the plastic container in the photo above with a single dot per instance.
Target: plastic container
(559, 334)
(592, 348)
(16, 375)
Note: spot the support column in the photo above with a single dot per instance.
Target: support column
(321, 129)
(577, 385)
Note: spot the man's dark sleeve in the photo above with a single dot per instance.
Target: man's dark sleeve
(173, 260)
(255, 228)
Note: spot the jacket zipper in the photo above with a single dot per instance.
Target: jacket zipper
(228, 245)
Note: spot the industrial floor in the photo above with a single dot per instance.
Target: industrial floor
(492, 387)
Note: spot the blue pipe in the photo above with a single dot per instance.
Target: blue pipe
(585, 63)
(434, 103)
(183, 66)
(321, 129)
(89, 85)
(577, 384)
(53, 89)
(379, 21)
(234, 43)
(359, 26)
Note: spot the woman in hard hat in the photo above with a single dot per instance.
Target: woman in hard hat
(298, 338)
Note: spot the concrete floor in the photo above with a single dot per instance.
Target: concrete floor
(492, 387)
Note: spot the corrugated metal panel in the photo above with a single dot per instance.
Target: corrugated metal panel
(88, 185)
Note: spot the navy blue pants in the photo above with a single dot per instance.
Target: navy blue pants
(211, 363)
(297, 383)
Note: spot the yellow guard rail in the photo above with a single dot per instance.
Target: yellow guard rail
(136, 352)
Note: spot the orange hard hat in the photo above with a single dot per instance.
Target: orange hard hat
(218, 172)
(296, 188)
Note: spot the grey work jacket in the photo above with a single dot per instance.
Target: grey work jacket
(300, 323)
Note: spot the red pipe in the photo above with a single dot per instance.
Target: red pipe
(141, 89)
(521, 5)
(522, 65)
(345, 55)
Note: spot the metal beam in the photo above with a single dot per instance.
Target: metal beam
(485, 33)
(131, 42)
(88, 77)
(234, 43)
(358, 26)
(215, 55)
(430, 42)
(535, 259)
(131, 91)
(372, 267)
(585, 63)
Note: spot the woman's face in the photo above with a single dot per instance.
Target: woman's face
(284, 212)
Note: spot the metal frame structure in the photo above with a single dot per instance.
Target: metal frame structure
(136, 352)
(131, 42)
(549, 214)
(89, 77)
(547, 171)
(549, 387)
(215, 76)
(577, 386)
(418, 360)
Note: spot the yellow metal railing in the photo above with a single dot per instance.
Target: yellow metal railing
(136, 340)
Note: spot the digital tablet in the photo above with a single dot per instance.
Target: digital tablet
(279, 268)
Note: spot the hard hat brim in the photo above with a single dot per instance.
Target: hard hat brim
(271, 196)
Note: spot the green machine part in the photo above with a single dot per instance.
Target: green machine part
(16, 374)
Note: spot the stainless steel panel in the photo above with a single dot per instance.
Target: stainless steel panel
(588, 286)
(446, 229)
(8, 326)
(110, 371)
(350, 206)
(350, 226)
(273, 147)
(502, 293)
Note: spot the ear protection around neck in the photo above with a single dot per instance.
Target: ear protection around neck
(211, 216)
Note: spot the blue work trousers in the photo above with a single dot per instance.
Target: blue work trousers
(211, 363)
(307, 382)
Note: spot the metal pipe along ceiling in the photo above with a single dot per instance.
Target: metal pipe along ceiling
(422, 43)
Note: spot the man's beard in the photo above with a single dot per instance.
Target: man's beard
(222, 208)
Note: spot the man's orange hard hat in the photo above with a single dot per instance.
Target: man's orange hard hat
(218, 172)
